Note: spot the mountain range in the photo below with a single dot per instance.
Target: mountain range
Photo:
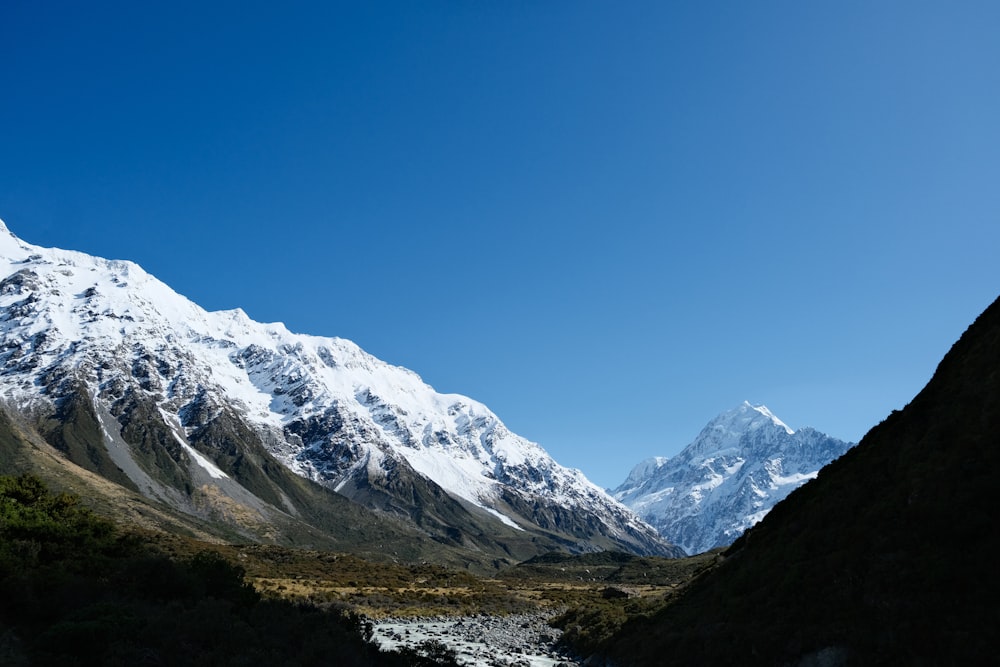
(741, 465)
(215, 418)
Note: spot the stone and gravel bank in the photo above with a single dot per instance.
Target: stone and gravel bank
(519, 640)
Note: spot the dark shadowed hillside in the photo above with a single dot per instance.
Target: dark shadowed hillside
(888, 557)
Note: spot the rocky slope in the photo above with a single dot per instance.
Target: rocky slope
(741, 465)
(216, 415)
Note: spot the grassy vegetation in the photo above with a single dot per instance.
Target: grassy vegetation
(612, 567)
(373, 589)
(74, 589)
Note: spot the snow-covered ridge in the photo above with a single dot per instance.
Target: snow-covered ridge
(331, 411)
(742, 463)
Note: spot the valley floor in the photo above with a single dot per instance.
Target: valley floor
(83, 575)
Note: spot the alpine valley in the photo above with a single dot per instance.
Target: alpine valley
(741, 465)
(214, 425)
(886, 558)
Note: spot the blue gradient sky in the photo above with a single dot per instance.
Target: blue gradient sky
(608, 221)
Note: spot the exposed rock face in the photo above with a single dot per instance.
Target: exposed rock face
(142, 386)
(741, 465)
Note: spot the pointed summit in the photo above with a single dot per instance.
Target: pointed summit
(729, 431)
(762, 409)
(10, 245)
(747, 416)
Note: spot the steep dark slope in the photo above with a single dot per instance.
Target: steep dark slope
(888, 557)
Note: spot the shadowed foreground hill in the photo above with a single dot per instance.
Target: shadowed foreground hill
(76, 590)
(888, 557)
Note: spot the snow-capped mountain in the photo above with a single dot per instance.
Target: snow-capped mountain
(175, 393)
(741, 465)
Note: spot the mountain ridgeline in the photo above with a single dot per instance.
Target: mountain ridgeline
(242, 430)
(888, 557)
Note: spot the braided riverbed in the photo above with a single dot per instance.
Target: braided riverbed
(518, 640)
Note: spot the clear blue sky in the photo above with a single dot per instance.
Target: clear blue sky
(608, 221)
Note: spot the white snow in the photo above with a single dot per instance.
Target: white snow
(95, 314)
(767, 413)
(209, 467)
(741, 464)
(796, 479)
(503, 517)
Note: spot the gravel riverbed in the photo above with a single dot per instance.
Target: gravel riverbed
(519, 640)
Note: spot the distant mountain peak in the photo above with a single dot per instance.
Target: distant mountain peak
(739, 466)
(728, 431)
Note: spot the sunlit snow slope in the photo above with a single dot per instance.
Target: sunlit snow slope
(324, 408)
